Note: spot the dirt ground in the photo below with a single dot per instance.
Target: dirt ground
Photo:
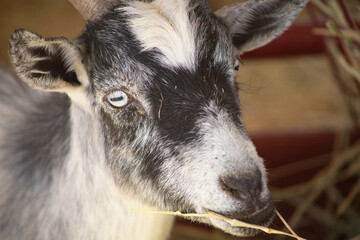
(276, 93)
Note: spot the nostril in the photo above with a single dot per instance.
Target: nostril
(248, 185)
(234, 185)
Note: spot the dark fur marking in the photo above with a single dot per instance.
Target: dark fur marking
(181, 108)
(55, 65)
(38, 52)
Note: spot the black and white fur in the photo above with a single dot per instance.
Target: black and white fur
(73, 166)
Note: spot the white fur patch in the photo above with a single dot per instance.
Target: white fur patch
(165, 25)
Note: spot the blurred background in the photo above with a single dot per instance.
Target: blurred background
(300, 100)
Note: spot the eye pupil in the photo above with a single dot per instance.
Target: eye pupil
(237, 68)
(116, 99)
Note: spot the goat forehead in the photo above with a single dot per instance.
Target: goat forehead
(175, 34)
(181, 30)
(166, 27)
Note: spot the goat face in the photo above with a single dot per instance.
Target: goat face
(160, 77)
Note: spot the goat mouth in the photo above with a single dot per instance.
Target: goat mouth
(262, 217)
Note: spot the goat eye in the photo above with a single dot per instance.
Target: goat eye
(118, 99)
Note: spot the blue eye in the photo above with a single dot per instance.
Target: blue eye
(118, 99)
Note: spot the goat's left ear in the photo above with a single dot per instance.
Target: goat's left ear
(48, 64)
(255, 23)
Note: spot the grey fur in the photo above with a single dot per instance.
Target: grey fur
(73, 166)
(25, 152)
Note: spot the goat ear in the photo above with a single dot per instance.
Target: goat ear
(255, 23)
(49, 64)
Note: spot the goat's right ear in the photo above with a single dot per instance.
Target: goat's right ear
(48, 64)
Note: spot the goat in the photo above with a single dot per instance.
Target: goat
(140, 111)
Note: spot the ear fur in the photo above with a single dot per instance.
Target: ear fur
(48, 64)
(255, 23)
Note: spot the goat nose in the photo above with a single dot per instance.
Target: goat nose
(246, 186)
